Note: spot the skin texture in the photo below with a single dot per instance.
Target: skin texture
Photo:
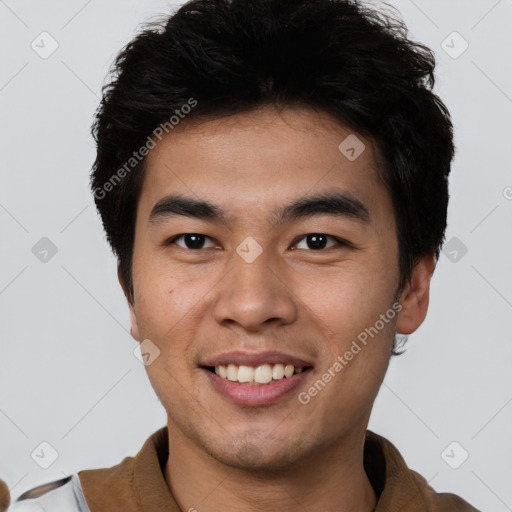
(198, 303)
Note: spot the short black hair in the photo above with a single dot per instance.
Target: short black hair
(223, 57)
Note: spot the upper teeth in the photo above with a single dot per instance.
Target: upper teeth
(262, 374)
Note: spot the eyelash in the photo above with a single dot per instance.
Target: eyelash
(340, 241)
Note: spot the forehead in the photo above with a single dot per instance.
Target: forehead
(260, 160)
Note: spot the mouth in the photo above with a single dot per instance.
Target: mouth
(255, 380)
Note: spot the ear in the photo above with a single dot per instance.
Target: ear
(415, 295)
(134, 328)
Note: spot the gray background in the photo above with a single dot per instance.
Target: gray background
(68, 375)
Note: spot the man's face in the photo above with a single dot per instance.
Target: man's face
(200, 299)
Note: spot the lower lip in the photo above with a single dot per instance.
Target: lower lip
(259, 394)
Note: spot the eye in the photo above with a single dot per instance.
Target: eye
(318, 241)
(313, 241)
(193, 241)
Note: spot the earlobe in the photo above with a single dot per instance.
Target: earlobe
(134, 328)
(415, 296)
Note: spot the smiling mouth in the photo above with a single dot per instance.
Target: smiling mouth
(260, 375)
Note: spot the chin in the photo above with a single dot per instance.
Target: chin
(260, 456)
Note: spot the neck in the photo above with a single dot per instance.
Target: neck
(332, 481)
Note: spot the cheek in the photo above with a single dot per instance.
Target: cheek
(169, 304)
(346, 300)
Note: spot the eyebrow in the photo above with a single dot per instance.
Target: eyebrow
(334, 203)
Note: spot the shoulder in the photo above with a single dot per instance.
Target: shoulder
(64, 495)
(440, 501)
(402, 488)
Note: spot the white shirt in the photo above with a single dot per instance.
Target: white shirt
(66, 498)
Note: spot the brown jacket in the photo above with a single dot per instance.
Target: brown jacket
(137, 484)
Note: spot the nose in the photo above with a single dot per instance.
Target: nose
(254, 296)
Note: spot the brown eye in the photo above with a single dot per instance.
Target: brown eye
(192, 241)
(317, 241)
